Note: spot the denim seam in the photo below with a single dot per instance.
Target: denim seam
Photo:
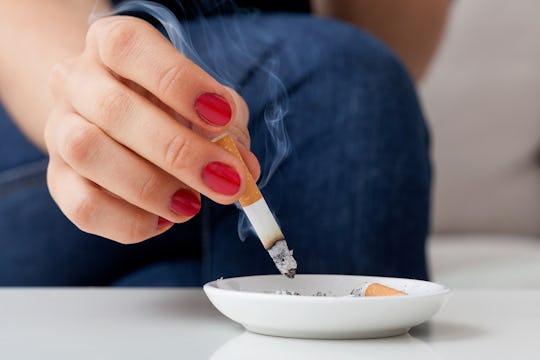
(22, 177)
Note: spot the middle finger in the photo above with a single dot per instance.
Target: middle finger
(97, 157)
(135, 122)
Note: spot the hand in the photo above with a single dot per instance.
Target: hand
(128, 137)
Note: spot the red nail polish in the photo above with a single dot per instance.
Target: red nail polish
(221, 178)
(185, 202)
(162, 223)
(213, 109)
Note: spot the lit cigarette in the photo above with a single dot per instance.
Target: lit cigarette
(376, 289)
(260, 216)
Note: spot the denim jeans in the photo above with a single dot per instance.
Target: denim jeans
(352, 197)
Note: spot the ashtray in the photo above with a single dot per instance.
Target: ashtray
(325, 306)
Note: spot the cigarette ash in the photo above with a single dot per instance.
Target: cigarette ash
(283, 258)
(318, 293)
(287, 292)
(356, 292)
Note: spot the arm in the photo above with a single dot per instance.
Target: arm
(412, 28)
(34, 35)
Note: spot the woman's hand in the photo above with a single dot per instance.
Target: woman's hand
(128, 137)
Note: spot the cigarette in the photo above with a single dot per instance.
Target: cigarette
(261, 218)
(376, 289)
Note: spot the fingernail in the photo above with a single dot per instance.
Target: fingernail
(161, 223)
(213, 109)
(185, 202)
(221, 178)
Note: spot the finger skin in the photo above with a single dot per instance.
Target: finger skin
(94, 210)
(123, 44)
(175, 80)
(250, 160)
(98, 158)
(151, 133)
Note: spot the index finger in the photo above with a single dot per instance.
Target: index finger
(135, 50)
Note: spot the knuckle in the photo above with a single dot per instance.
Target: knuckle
(147, 190)
(57, 77)
(80, 143)
(113, 103)
(178, 152)
(81, 211)
(171, 79)
(138, 230)
(95, 29)
(116, 39)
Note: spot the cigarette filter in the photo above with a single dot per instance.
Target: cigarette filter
(376, 289)
(260, 216)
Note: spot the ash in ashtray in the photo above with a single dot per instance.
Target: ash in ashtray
(356, 292)
(286, 292)
(369, 289)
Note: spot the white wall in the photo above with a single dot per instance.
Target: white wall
(482, 98)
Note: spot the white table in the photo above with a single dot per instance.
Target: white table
(181, 324)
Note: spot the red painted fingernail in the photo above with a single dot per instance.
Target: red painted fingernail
(185, 202)
(213, 109)
(161, 223)
(221, 178)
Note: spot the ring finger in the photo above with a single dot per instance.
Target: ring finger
(97, 157)
(96, 211)
(147, 130)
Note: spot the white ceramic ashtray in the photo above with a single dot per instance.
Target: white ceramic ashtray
(325, 306)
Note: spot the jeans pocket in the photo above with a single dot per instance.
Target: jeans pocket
(23, 177)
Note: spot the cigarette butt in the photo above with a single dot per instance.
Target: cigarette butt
(252, 193)
(376, 289)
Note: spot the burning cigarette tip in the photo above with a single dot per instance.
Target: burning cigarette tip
(283, 258)
(290, 274)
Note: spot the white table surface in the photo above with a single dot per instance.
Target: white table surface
(94, 323)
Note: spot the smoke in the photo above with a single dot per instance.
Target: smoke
(225, 33)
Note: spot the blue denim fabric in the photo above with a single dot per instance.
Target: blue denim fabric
(352, 198)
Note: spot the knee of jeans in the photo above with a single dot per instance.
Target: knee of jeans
(358, 81)
(349, 68)
(323, 43)
(361, 97)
